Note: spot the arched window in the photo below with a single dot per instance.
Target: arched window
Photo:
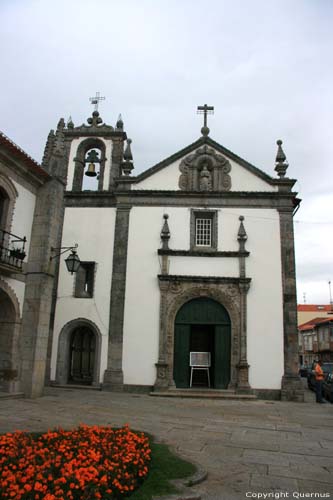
(4, 202)
(90, 158)
(8, 195)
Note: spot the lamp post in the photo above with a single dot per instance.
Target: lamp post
(73, 261)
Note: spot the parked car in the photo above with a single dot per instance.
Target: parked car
(326, 367)
(303, 371)
(328, 387)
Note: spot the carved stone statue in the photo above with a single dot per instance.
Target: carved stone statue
(205, 183)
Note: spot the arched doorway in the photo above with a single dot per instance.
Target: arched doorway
(9, 335)
(82, 356)
(202, 325)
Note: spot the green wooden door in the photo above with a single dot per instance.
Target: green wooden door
(182, 355)
(202, 311)
(222, 356)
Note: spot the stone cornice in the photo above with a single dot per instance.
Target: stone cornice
(242, 199)
(202, 279)
(201, 253)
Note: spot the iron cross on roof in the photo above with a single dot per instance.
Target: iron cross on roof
(95, 100)
(205, 110)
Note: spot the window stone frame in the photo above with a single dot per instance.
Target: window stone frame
(209, 214)
(78, 291)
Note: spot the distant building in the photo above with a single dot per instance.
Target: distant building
(306, 312)
(316, 340)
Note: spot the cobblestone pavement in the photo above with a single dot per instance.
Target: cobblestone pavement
(246, 447)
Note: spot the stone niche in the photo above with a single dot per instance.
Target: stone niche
(205, 170)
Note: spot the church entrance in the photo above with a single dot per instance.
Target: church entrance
(82, 356)
(202, 325)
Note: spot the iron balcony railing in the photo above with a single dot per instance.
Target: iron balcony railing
(12, 249)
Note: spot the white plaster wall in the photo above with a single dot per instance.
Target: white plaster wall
(265, 316)
(168, 177)
(71, 163)
(204, 266)
(93, 230)
(22, 226)
(265, 304)
(23, 214)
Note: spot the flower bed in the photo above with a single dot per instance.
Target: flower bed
(83, 464)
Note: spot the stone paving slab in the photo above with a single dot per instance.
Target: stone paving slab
(254, 446)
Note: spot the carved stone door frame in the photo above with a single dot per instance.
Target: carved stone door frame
(230, 293)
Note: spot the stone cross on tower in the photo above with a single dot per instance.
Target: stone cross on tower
(95, 100)
(205, 110)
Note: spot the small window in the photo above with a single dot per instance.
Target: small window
(85, 277)
(203, 232)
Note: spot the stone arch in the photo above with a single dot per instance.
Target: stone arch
(9, 195)
(84, 146)
(10, 328)
(63, 357)
(227, 295)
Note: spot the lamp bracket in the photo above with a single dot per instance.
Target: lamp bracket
(63, 250)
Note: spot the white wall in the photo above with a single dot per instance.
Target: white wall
(21, 226)
(265, 319)
(93, 230)
(168, 177)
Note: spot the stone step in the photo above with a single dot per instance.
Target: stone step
(11, 395)
(77, 386)
(202, 394)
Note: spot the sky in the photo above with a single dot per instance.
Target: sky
(265, 66)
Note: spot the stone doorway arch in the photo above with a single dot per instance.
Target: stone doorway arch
(10, 327)
(79, 351)
(228, 292)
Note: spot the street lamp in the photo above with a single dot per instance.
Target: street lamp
(72, 262)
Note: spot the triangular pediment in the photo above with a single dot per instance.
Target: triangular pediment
(204, 165)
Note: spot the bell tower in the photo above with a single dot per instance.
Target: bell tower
(93, 153)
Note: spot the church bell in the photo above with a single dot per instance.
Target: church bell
(91, 172)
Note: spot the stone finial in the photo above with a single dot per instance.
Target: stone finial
(242, 236)
(127, 165)
(205, 131)
(165, 233)
(48, 149)
(120, 123)
(95, 119)
(281, 164)
(70, 123)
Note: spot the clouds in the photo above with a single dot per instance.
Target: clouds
(265, 66)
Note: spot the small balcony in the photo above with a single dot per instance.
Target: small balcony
(12, 252)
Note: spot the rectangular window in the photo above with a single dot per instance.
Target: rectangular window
(203, 232)
(85, 277)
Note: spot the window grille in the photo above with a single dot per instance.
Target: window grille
(203, 232)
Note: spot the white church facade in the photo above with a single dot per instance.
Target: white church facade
(195, 254)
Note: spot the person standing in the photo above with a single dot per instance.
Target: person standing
(319, 375)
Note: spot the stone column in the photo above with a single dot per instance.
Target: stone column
(113, 376)
(39, 287)
(243, 367)
(291, 388)
(162, 366)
